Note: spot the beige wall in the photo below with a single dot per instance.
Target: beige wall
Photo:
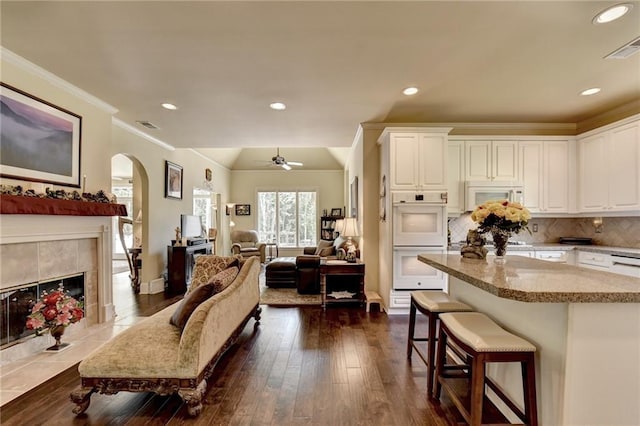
(328, 183)
(162, 215)
(101, 139)
(96, 126)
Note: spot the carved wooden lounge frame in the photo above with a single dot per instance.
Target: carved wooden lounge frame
(191, 390)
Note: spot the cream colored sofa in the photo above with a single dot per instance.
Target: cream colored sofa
(153, 356)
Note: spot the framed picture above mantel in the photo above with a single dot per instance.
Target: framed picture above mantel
(39, 141)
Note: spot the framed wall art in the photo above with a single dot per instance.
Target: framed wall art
(39, 141)
(243, 209)
(172, 180)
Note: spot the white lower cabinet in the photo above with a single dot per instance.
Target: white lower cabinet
(591, 260)
(520, 253)
(554, 256)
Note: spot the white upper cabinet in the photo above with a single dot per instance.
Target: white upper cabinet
(545, 169)
(491, 160)
(418, 158)
(455, 180)
(609, 168)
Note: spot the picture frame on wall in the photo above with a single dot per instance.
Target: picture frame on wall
(172, 180)
(243, 209)
(40, 141)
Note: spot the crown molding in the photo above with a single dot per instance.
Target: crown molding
(484, 128)
(54, 80)
(129, 128)
(201, 155)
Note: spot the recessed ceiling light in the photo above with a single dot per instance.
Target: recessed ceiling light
(278, 106)
(410, 91)
(590, 92)
(612, 13)
(169, 106)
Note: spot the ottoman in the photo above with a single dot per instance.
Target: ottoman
(281, 272)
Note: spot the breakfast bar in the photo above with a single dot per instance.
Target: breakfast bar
(585, 325)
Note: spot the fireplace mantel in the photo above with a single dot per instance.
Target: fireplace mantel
(16, 204)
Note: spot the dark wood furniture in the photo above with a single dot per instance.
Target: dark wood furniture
(135, 265)
(483, 341)
(328, 226)
(340, 276)
(180, 262)
(431, 304)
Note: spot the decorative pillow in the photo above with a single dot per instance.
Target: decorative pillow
(339, 242)
(207, 266)
(189, 304)
(222, 279)
(324, 248)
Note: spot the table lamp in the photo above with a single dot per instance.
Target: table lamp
(350, 230)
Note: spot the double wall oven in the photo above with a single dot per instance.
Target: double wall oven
(419, 223)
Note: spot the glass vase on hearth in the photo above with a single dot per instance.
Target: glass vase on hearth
(500, 240)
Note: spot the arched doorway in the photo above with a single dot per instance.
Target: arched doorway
(128, 183)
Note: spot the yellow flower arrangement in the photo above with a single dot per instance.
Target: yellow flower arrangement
(501, 215)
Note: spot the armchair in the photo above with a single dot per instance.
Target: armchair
(245, 243)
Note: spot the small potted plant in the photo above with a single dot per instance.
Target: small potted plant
(55, 311)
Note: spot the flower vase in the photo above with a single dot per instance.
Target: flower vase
(57, 331)
(500, 240)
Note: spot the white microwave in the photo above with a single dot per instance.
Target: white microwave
(477, 193)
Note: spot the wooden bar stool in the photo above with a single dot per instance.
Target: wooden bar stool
(484, 341)
(431, 304)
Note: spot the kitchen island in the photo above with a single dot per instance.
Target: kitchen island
(585, 325)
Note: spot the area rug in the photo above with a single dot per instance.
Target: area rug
(285, 296)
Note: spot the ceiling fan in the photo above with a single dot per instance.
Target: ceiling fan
(279, 160)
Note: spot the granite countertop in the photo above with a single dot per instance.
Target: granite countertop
(532, 280)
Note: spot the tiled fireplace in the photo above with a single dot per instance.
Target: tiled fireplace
(40, 248)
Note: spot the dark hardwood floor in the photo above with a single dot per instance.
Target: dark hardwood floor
(302, 365)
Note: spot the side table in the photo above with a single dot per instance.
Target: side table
(341, 282)
(270, 247)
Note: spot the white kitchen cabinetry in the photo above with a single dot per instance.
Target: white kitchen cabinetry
(560, 256)
(545, 168)
(591, 260)
(455, 180)
(609, 168)
(491, 160)
(418, 158)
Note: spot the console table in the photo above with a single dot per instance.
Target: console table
(180, 262)
(136, 264)
(339, 277)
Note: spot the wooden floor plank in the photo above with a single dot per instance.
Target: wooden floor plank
(302, 366)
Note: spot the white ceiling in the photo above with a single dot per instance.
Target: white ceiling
(335, 64)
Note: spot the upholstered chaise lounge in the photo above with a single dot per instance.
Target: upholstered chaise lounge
(157, 356)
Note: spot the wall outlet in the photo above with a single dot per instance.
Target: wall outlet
(534, 227)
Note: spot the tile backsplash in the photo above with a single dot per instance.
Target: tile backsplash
(616, 231)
